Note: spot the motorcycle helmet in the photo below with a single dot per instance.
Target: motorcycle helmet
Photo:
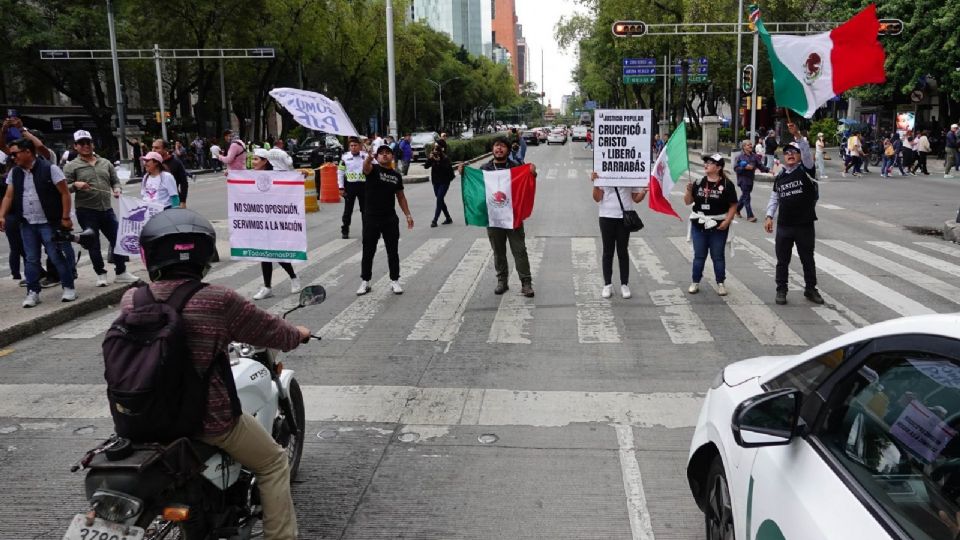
(178, 239)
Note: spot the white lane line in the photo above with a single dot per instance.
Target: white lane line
(314, 257)
(922, 258)
(443, 317)
(833, 312)
(229, 269)
(329, 279)
(941, 247)
(348, 323)
(644, 258)
(572, 173)
(879, 223)
(410, 404)
(830, 206)
(920, 279)
(640, 525)
(681, 322)
(595, 320)
(512, 321)
(765, 325)
(878, 292)
(551, 174)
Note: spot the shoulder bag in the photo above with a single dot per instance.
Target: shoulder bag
(631, 220)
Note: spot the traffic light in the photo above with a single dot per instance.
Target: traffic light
(156, 116)
(629, 28)
(746, 80)
(166, 116)
(890, 27)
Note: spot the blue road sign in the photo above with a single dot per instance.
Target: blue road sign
(590, 105)
(693, 70)
(634, 62)
(639, 71)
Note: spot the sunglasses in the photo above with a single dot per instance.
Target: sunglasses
(85, 142)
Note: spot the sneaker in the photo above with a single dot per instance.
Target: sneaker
(32, 299)
(752, 219)
(501, 287)
(433, 224)
(22, 283)
(264, 292)
(364, 288)
(46, 283)
(527, 289)
(781, 297)
(694, 288)
(721, 289)
(607, 291)
(625, 291)
(948, 176)
(447, 221)
(813, 295)
(101, 280)
(69, 295)
(395, 287)
(126, 277)
(843, 175)
(295, 285)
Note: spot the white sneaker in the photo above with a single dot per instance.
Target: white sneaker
(948, 176)
(843, 174)
(824, 177)
(721, 289)
(69, 295)
(264, 292)
(364, 288)
(694, 288)
(607, 291)
(126, 277)
(32, 299)
(395, 287)
(295, 285)
(101, 280)
(625, 291)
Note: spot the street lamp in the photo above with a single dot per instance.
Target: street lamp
(439, 86)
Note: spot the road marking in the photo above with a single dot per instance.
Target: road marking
(405, 404)
(443, 317)
(941, 247)
(279, 276)
(512, 321)
(595, 320)
(842, 318)
(878, 292)
(572, 173)
(922, 258)
(765, 325)
(644, 258)
(920, 279)
(329, 279)
(348, 323)
(640, 525)
(551, 174)
(879, 223)
(830, 206)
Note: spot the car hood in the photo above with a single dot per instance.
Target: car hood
(744, 370)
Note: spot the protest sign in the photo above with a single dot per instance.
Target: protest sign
(315, 111)
(266, 214)
(621, 147)
(134, 214)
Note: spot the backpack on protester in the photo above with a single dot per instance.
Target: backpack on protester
(154, 390)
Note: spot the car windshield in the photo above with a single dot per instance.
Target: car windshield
(422, 138)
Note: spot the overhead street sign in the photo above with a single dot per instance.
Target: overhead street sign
(635, 62)
(628, 28)
(640, 70)
(639, 79)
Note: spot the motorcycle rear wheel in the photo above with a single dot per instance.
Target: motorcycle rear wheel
(294, 446)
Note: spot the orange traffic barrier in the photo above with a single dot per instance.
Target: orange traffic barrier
(309, 190)
(329, 191)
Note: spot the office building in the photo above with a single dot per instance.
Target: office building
(467, 22)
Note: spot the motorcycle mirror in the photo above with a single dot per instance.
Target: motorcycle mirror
(312, 295)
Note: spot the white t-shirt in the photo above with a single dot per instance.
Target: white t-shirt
(158, 189)
(610, 206)
(32, 210)
(214, 151)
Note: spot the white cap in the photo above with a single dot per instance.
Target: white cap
(954, 126)
(81, 134)
(3, 157)
(280, 160)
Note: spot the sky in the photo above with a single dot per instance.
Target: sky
(538, 23)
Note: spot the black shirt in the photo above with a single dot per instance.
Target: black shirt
(797, 196)
(441, 170)
(713, 198)
(174, 166)
(381, 188)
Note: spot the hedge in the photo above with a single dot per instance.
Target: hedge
(463, 150)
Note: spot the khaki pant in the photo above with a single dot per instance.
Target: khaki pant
(252, 446)
(498, 241)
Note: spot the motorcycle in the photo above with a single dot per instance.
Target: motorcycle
(186, 489)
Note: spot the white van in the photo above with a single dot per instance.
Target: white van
(579, 133)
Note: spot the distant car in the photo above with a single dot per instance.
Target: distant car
(531, 137)
(857, 438)
(579, 133)
(317, 150)
(542, 133)
(557, 136)
(419, 141)
(467, 135)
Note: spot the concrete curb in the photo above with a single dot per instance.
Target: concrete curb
(951, 231)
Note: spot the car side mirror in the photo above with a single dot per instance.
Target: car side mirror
(769, 419)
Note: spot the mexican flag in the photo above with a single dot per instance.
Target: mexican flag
(810, 70)
(671, 164)
(502, 198)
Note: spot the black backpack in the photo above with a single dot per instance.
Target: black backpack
(154, 390)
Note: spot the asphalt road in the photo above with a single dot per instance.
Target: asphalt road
(449, 412)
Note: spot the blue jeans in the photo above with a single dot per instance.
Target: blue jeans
(60, 253)
(440, 191)
(886, 165)
(105, 222)
(746, 188)
(713, 241)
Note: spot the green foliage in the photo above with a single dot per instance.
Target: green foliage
(827, 126)
(464, 150)
(726, 135)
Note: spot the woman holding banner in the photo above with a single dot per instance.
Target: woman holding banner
(158, 186)
(273, 160)
(613, 232)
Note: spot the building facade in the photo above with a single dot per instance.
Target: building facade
(505, 31)
(467, 22)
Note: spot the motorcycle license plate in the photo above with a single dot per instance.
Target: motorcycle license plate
(100, 530)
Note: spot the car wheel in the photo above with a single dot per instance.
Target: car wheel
(718, 511)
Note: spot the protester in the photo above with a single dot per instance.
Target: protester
(12, 230)
(613, 233)
(173, 165)
(854, 155)
(951, 144)
(909, 153)
(898, 152)
(158, 186)
(406, 154)
(198, 151)
(714, 200)
(923, 150)
(442, 142)
(94, 180)
(589, 145)
(382, 186)
(441, 174)
(889, 154)
(748, 162)
(795, 194)
(770, 146)
(236, 156)
(350, 178)
(215, 162)
(820, 153)
(273, 160)
(376, 141)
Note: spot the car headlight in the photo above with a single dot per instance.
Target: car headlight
(717, 381)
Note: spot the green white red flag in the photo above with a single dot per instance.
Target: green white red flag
(670, 166)
(501, 198)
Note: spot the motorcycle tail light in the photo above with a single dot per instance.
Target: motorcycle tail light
(176, 513)
(115, 506)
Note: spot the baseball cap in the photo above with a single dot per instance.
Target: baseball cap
(279, 160)
(384, 148)
(792, 147)
(954, 126)
(81, 134)
(716, 158)
(152, 155)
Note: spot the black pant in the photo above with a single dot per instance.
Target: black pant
(17, 253)
(440, 191)
(266, 268)
(805, 237)
(615, 236)
(373, 228)
(102, 222)
(922, 161)
(351, 194)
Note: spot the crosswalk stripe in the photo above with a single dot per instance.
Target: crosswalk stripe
(920, 279)
(640, 526)
(329, 279)
(572, 173)
(644, 258)
(512, 321)
(279, 276)
(830, 206)
(922, 258)
(443, 317)
(842, 318)
(551, 174)
(878, 292)
(941, 247)
(765, 325)
(348, 323)
(595, 320)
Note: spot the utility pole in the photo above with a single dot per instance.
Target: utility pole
(543, 91)
(736, 79)
(163, 115)
(224, 112)
(391, 72)
(121, 114)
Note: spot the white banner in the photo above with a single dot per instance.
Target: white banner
(134, 214)
(621, 147)
(315, 111)
(267, 216)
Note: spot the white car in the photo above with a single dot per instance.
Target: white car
(856, 438)
(557, 136)
(579, 133)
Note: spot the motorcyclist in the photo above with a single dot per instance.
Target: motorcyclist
(178, 245)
